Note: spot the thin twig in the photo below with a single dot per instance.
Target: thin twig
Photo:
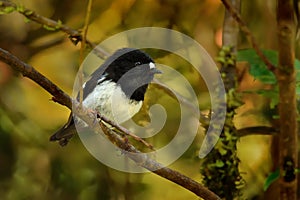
(88, 117)
(74, 35)
(248, 33)
(257, 130)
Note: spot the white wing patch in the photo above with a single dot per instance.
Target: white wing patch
(101, 78)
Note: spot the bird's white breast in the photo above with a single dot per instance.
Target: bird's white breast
(109, 100)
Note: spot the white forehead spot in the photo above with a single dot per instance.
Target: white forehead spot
(151, 65)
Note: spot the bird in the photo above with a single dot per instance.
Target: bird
(124, 76)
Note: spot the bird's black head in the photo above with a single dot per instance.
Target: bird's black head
(130, 68)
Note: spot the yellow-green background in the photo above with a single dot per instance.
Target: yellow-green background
(33, 168)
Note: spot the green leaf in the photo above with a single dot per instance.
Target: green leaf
(219, 163)
(49, 28)
(258, 68)
(297, 66)
(271, 179)
(222, 151)
(20, 8)
(271, 94)
(259, 71)
(59, 24)
(26, 20)
(28, 12)
(7, 10)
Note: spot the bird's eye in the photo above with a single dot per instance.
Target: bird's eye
(137, 63)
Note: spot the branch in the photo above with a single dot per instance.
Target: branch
(257, 130)
(248, 33)
(50, 24)
(142, 159)
(116, 139)
(231, 28)
(28, 71)
(76, 36)
(230, 39)
(286, 77)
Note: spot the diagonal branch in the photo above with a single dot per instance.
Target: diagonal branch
(86, 115)
(144, 160)
(248, 33)
(76, 36)
(28, 71)
(59, 96)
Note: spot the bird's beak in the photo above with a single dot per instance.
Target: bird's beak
(156, 71)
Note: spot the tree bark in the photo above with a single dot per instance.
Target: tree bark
(285, 74)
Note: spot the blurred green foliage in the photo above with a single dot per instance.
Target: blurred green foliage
(260, 72)
(33, 168)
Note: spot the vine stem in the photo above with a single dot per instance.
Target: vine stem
(246, 30)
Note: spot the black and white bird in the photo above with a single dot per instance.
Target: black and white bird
(119, 84)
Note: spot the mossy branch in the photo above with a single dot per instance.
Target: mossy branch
(51, 25)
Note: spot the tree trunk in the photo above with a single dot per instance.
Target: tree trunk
(285, 74)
